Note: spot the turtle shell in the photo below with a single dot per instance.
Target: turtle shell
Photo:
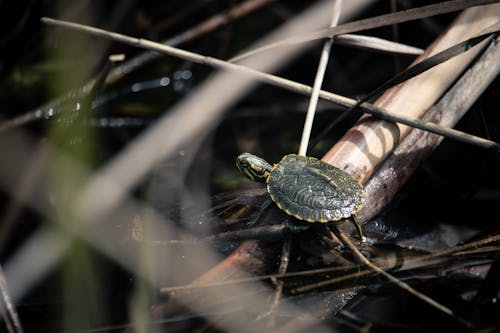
(312, 190)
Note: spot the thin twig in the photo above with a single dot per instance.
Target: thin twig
(284, 260)
(318, 81)
(373, 22)
(316, 271)
(411, 261)
(430, 62)
(356, 275)
(412, 71)
(347, 242)
(377, 44)
(280, 82)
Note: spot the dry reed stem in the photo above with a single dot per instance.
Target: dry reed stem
(248, 72)
(318, 82)
(370, 23)
(279, 284)
(7, 307)
(413, 263)
(377, 44)
(403, 161)
(367, 144)
(346, 241)
(211, 24)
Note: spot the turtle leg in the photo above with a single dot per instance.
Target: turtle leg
(356, 223)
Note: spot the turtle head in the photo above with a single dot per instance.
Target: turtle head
(254, 167)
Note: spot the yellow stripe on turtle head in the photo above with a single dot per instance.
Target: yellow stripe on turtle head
(254, 167)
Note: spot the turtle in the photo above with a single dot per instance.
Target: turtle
(307, 188)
